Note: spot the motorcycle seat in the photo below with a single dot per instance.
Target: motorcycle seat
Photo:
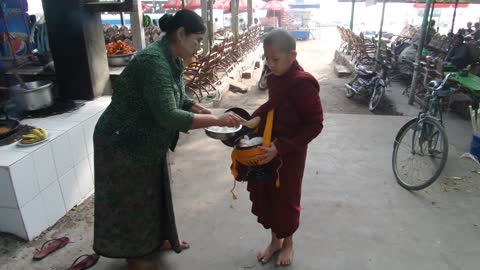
(363, 70)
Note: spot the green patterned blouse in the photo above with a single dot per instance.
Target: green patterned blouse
(149, 106)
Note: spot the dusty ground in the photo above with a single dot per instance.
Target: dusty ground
(316, 57)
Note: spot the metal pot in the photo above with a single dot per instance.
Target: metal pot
(119, 60)
(218, 135)
(37, 96)
(229, 138)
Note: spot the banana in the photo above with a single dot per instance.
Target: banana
(44, 132)
(38, 133)
(29, 136)
(30, 141)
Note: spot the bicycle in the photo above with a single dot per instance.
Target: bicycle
(424, 138)
(427, 70)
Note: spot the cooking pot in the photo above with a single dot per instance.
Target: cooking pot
(38, 95)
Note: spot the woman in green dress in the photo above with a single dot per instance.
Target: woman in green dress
(133, 204)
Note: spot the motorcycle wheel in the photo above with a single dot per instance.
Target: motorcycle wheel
(348, 92)
(262, 82)
(376, 97)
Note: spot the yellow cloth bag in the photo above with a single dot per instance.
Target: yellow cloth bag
(248, 157)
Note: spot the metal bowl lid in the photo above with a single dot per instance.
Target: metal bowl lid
(209, 129)
(32, 86)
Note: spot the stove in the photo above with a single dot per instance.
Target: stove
(59, 106)
(17, 135)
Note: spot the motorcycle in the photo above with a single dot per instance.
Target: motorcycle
(262, 82)
(369, 83)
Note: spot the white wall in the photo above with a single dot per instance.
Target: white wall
(35, 7)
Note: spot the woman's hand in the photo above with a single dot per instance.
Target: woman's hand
(269, 153)
(199, 109)
(229, 119)
(205, 111)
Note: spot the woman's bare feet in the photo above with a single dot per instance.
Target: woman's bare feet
(141, 264)
(286, 253)
(167, 246)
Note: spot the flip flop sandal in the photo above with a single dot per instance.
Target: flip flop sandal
(50, 247)
(87, 262)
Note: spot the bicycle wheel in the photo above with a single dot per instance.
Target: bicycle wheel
(420, 153)
(376, 97)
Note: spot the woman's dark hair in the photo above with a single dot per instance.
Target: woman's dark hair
(188, 19)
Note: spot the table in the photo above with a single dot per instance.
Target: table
(39, 184)
(471, 82)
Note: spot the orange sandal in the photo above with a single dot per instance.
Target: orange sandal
(87, 262)
(50, 247)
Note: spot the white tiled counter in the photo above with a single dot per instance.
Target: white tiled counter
(39, 184)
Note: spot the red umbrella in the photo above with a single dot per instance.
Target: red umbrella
(258, 4)
(173, 4)
(146, 7)
(242, 5)
(275, 5)
(225, 5)
(440, 5)
(193, 4)
(222, 4)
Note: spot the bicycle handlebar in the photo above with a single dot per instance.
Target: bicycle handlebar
(443, 82)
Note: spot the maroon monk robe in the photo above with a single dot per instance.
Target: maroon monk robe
(298, 119)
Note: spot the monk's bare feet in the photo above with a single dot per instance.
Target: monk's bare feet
(286, 253)
(167, 246)
(265, 255)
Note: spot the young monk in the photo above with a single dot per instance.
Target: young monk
(298, 119)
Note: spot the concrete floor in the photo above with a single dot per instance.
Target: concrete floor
(354, 214)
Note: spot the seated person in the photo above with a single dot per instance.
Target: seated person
(469, 29)
(466, 31)
(217, 28)
(242, 25)
(458, 55)
(408, 54)
(431, 31)
(407, 58)
(475, 35)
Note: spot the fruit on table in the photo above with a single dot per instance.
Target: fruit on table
(36, 135)
(119, 48)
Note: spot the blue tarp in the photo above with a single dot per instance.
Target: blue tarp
(303, 6)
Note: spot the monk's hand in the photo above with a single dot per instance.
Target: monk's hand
(269, 153)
